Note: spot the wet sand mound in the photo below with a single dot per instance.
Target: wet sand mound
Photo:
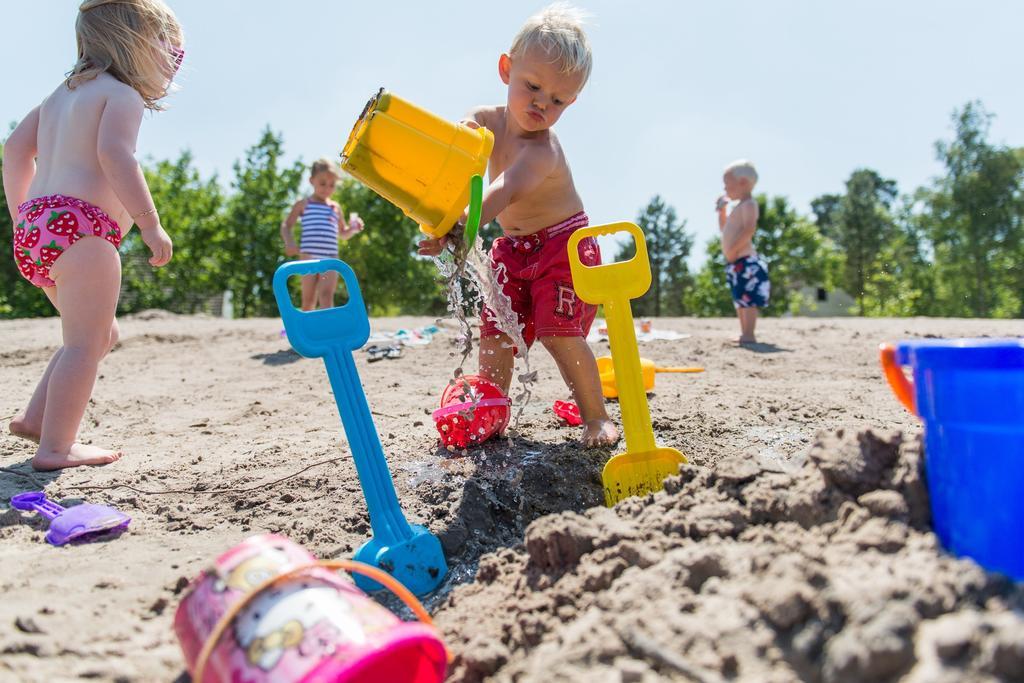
(829, 573)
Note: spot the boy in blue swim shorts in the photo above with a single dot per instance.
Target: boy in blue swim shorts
(745, 270)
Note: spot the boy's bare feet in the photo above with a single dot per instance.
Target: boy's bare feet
(21, 428)
(599, 433)
(79, 454)
(747, 340)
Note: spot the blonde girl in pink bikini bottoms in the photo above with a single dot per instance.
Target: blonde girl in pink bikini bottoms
(71, 177)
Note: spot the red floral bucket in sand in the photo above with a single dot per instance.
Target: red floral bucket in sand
(473, 409)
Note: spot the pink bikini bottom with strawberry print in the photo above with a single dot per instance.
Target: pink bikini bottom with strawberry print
(47, 226)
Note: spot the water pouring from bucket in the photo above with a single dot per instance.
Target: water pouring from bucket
(432, 170)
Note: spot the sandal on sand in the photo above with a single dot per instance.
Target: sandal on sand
(381, 352)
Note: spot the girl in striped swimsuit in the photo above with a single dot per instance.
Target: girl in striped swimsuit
(319, 216)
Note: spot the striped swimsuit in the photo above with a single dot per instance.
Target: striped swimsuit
(319, 231)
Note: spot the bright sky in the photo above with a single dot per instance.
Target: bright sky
(808, 90)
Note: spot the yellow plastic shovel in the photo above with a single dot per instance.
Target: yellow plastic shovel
(644, 466)
(606, 368)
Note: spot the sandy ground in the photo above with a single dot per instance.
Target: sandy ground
(200, 404)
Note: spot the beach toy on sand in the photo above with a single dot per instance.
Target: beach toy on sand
(419, 162)
(473, 409)
(568, 411)
(409, 552)
(644, 466)
(85, 522)
(970, 395)
(268, 611)
(606, 368)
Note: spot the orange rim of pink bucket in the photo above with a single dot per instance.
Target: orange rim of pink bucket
(902, 387)
(351, 566)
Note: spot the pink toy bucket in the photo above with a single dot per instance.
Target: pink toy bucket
(472, 410)
(269, 611)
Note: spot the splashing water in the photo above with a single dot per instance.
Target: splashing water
(461, 298)
(470, 282)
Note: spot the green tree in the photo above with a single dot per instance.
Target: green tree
(251, 238)
(668, 247)
(18, 298)
(901, 284)
(975, 221)
(860, 225)
(709, 296)
(392, 278)
(826, 210)
(798, 254)
(191, 210)
(488, 233)
(1014, 254)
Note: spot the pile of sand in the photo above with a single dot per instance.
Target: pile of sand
(829, 573)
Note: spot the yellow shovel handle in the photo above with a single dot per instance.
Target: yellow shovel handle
(636, 416)
(694, 369)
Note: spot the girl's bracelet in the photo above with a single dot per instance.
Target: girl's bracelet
(144, 213)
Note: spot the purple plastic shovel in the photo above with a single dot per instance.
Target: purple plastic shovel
(85, 522)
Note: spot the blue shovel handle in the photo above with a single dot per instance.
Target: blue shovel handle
(315, 333)
(386, 519)
(332, 334)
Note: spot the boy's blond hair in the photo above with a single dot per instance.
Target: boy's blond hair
(742, 168)
(129, 39)
(558, 29)
(325, 165)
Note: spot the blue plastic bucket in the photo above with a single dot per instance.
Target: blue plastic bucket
(970, 395)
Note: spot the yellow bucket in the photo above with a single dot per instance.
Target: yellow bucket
(420, 163)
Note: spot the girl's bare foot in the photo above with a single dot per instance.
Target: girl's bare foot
(599, 433)
(21, 428)
(747, 340)
(79, 454)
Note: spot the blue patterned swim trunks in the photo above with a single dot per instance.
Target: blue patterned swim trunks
(748, 280)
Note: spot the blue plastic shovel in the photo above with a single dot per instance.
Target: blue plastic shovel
(409, 552)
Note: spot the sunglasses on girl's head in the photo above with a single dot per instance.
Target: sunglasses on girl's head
(178, 55)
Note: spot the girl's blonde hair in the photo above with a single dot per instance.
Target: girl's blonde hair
(132, 40)
(325, 165)
(558, 29)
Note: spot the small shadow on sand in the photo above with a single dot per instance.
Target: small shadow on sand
(282, 357)
(21, 477)
(762, 347)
